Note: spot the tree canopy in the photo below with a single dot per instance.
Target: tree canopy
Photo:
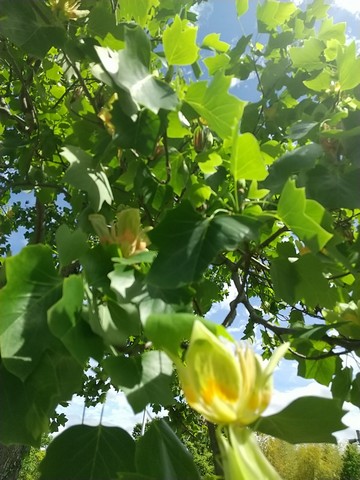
(152, 189)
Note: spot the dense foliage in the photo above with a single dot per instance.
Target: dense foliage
(152, 190)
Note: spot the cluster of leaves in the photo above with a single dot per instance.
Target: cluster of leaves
(110, 106)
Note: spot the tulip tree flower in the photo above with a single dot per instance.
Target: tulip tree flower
(226, 386)
(125, 232)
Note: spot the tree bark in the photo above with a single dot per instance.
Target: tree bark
(10, 460)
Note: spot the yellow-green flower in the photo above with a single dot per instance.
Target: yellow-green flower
(225, 386)
(242, 457)
(126, 232)
(68, 8)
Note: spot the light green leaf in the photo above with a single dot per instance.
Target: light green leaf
(173, 460)
(329, 31)
(348, 64)
(272, 13)
(137, 11)
(129, 70)
(32, 287)
(208, 162)
(292, 210)
(246, 159)
(242, 7)
(321, 82)
(83, 174)
(93, 453)
(216, 63)
(188, 243)
(212, 40)
(323, 417)
(307, 57)
(221, 110)
(179, 40)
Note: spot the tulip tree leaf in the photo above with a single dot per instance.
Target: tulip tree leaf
(129, 70)
(27, 405)
(143, 382)
(33, 286)
(83, 174)
(221, 110)
(272, 13)
(347, 64)
(212, 40)
(31, 29)
(246, 158)
(173, 460)
(65, 322)
(180, 43)
(70, 245)
(298, 214)
(137, 11)
(242, 7)
(95, 449)
(188, 243)
(307, 419)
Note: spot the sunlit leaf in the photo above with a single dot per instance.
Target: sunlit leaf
(221, 110)
(246, 158)
(293, 209)
(180, 43)
(85, 175)
(33, 286)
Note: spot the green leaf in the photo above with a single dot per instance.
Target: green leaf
(307, 57)
(295, 211)
(293, 162)
(212, 41)
(321, 82)
(208, 162)
(70, 245)
(179, 40)
(168, 331)
(144, 381)
(85, 175)
(129, 70)
(273, 14)
(91, 453)
(334, 189)
(173, 460)
(347, 64)
(221, 110)
(35, 30)
(65, 322)
(330, 31)
(246, 158)
(302, 280)
(320, 370)
(140, 134)
(32, 288)
(27, 405)
(188, 243)
(307, 419)
(137, 11)
(242, 7)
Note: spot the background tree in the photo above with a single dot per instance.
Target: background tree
(351, 463)
(144, 188)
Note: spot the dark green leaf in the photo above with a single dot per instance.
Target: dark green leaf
(188, 243)
(92, 453)
(173, 461)
(306, 420)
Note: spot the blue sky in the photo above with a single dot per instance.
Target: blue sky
(219, 16)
